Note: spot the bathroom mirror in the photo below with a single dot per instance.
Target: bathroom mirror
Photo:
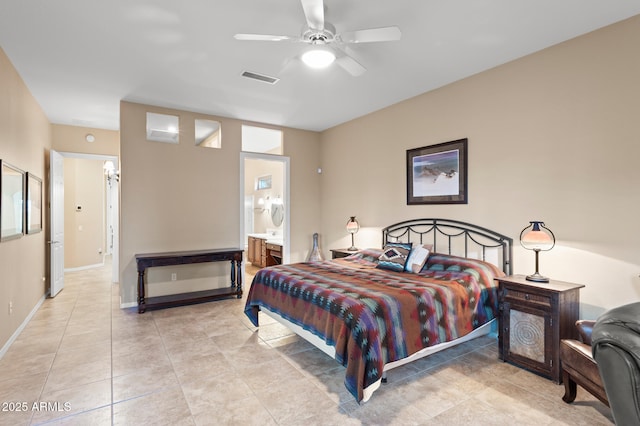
(277, 214)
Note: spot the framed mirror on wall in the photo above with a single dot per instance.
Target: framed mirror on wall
(12, 191)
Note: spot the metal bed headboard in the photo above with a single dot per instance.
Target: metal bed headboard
(455, 238)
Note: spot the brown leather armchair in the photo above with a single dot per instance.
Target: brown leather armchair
(578, 365)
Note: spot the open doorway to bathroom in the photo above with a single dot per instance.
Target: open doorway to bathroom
(264, 174)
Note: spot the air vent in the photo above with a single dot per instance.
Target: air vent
(260, 77)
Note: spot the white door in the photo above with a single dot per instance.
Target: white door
(114, 227)
(56, 217)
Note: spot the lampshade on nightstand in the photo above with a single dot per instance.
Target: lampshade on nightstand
(537, 237)
(352, 228)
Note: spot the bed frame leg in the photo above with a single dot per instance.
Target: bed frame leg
(384, 377)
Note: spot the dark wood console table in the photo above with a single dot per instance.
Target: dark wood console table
(149, 260)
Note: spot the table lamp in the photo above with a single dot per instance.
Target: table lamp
(537, 237)
(352, 227)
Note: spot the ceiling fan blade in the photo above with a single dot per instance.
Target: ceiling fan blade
(262, 37)
(350, 65)
(314, 12)
(371, 35)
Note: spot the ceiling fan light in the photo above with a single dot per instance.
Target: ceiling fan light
(318, 58)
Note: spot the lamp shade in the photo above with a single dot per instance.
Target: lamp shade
(352, 225)
(537, 236)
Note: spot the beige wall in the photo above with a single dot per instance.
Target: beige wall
(73, 139)
(25, 140)
(183, 197)
(553, 136)
(84, 228)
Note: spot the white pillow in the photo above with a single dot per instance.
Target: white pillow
(417, 258)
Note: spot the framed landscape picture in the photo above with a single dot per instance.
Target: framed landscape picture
(437, 174)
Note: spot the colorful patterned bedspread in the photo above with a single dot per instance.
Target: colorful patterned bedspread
(374, 316)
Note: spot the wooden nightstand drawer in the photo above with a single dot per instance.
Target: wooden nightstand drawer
(512, 294)
(342, 252)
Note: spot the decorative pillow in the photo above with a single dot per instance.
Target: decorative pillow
(417, 258)
(394, 256)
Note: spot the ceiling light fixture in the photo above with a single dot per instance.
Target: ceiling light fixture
(319, 56)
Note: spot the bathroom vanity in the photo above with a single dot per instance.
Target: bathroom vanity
(264, 250)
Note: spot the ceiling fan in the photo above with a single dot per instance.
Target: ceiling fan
(327, 46)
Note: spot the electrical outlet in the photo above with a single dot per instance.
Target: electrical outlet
(10, 307)
(174, 276)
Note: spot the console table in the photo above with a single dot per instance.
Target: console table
(149, 260)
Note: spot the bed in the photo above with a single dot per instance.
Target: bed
(381, 308)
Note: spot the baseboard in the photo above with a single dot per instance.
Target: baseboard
(15, 335)
(128, 305)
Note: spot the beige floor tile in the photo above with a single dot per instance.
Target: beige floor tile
(246, 411)
(231, 341)
(472, 412)
(97, 417)
(88, 354)
(132, 362)
(37, 344)
(214, 391)
(145, 381)
(14, 418)
(268, 374)
(252, 355)
(74, 400)
(168, 407)
(193, 349)
(123, 347)
(77, 341)
(295, 401)
(71, 375)
(16, 364)
(26, 388)
(290, 344)
(195, 368)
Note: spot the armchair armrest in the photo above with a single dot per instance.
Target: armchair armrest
(585, 328)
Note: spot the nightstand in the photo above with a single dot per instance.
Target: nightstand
(342, 252)
(532, 319)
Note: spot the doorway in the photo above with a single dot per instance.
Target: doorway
(105, 183)
(257, 202)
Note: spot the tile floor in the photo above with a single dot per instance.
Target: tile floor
(85, 361)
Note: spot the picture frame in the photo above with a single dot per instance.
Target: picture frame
(437, 174)
(33, 212)
(12, 190)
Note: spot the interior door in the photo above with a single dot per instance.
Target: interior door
(56, 217)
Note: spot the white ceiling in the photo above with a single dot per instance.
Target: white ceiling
(79, 58)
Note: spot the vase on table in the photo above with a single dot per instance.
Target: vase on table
(316, 254)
